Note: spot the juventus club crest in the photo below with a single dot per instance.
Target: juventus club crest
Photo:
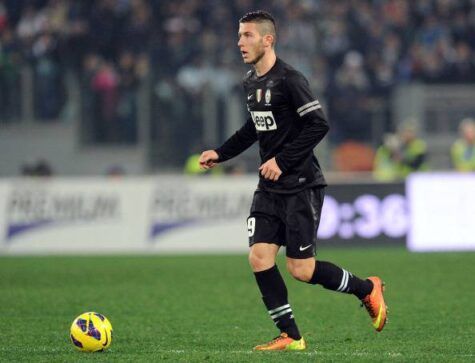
(258, 95)
(267, 96)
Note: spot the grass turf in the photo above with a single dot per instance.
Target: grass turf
(207, 308)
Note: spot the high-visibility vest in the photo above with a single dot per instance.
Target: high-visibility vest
(385, 167)
(463, 155)
(410, 152)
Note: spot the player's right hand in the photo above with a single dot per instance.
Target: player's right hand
(208, 159)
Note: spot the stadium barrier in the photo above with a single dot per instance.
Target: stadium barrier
(176, 214)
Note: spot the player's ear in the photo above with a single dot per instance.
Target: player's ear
(268, 40)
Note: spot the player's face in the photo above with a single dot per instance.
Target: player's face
(251, 43)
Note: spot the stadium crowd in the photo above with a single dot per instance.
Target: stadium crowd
(352, 51)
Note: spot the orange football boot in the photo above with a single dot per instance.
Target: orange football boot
(283, 342)
(374, 303)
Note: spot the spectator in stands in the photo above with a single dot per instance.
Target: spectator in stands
(462, 64)
(387, 165)
(413, 152)
(463, 149)
(10, 63)
(348, 100)
(49, 89)
(138, 28)
(37, 168)
(105, 24)
(3, 17)
(105, 87)
(129, 79)
(31, 23)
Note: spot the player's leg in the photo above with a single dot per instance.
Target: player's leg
(303, 217)
(303, 211)
(332, 277)
(329, 275)
(369, 291)
(265, 227)
(275, 298)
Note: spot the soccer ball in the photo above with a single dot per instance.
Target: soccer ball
(91, 332)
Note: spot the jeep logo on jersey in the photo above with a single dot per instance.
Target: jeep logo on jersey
(258, 95)
(263, 120)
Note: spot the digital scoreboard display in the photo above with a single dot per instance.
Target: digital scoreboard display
(364, 214)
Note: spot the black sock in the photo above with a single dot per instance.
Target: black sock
(334, 278)
(274, 295)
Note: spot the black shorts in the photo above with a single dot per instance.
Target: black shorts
(289, 220)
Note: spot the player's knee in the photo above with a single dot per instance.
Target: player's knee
(300, 270)
(260, 261)
(300, 273)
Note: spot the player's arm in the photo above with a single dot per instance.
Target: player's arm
(236, 144)
(315, 125)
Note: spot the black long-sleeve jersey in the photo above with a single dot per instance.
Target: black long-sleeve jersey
(288, 122)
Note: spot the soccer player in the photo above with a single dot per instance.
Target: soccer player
(288, 122)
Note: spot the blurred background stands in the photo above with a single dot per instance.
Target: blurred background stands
(148, 81)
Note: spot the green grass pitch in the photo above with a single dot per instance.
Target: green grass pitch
(207, 308)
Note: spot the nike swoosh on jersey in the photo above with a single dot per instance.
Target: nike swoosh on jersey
(304, 248)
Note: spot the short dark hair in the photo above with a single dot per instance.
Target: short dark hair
(257, 16)
(261, 17)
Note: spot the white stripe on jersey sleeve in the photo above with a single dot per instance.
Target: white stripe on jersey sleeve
(309, 109)
(301, 108)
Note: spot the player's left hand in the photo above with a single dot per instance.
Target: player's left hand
(270, 170)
